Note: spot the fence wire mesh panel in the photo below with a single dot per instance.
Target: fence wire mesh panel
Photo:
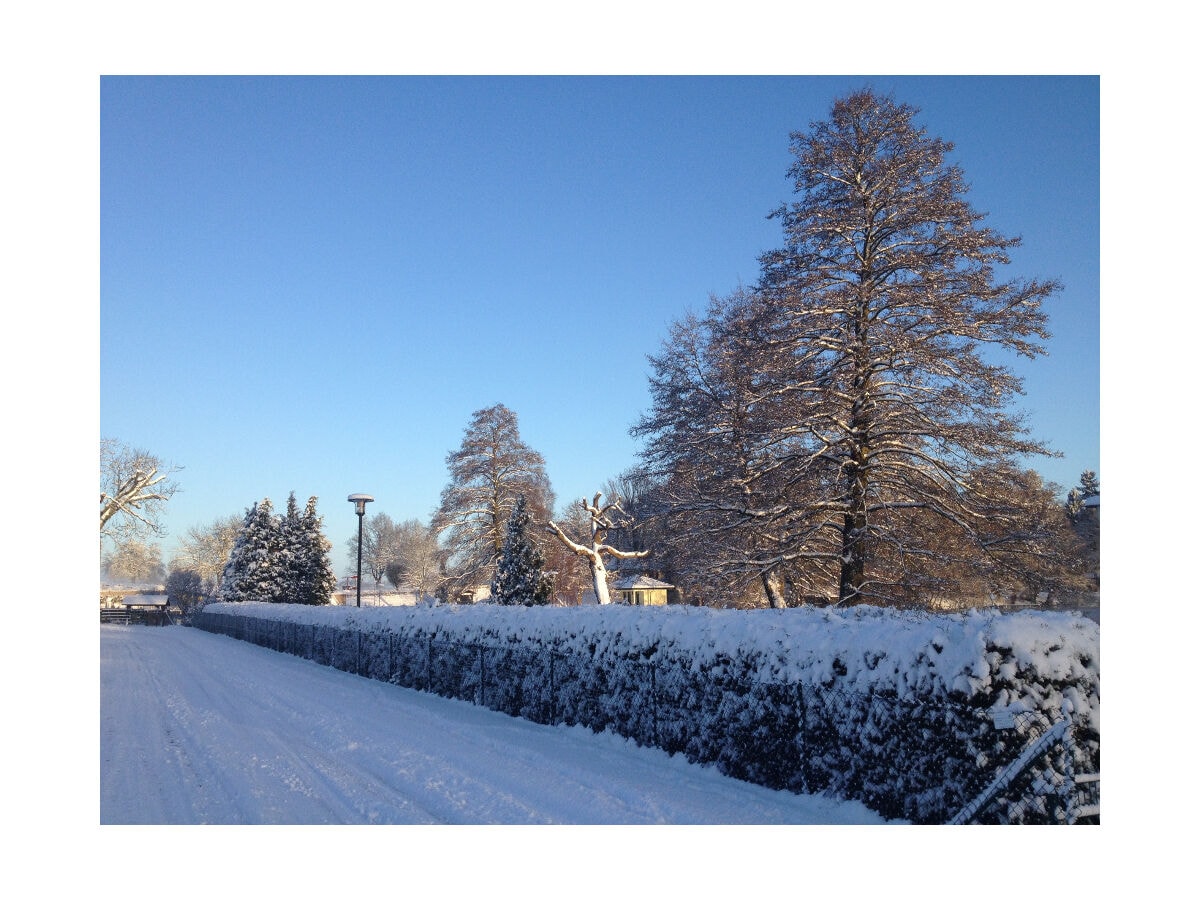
(1052, 778)
(925, 762)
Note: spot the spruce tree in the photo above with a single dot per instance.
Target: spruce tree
(1088, 487)
(316, 580)
(1074, 504)
(519, 577)
(1089, 484)
(290, 557)
(253, 571)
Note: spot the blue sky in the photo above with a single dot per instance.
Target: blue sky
(310, 284)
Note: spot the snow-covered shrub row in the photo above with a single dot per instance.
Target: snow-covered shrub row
(897, 709)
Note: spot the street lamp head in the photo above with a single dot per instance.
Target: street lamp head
(360, 502)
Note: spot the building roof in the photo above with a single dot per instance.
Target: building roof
(145, 600)
(640, 583)
(1092, 501)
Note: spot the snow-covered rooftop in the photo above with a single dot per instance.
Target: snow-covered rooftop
(640, 583)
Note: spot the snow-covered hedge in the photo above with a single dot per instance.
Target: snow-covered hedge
(909, 712)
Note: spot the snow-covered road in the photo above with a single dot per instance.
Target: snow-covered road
(198, 728)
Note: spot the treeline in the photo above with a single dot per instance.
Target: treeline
(840, 432)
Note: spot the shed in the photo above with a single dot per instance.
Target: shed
(642, 590)
(147, 609)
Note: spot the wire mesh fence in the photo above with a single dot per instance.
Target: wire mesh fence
(926, 762)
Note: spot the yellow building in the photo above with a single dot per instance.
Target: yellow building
(641, 590)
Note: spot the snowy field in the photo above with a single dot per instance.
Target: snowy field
(198, 728)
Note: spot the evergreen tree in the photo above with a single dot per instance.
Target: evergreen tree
(316, 580)
(291, 555)
(519, 577)
(1089, 484)
(253, 572)
(279, 559)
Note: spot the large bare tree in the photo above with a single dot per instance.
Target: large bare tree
(418, 560)
(380, 546)
(488, 472)
(205, 549)
(134, 486)
(887, 304)
(843, 424)
(729, 452)
(134, 562)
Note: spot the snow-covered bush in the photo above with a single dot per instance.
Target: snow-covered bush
(905, 711)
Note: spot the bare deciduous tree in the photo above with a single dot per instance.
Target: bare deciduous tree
(730, 452)
(883, 297)
(205, 549)
(134, 485)
(815, 429)
(488, 472)
(135, 562)
(380, 546)
(418, 561)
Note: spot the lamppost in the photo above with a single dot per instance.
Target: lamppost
(360, 502)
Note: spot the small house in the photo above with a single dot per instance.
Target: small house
(642, 590)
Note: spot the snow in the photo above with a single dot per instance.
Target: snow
(198, 728)
(917, 654)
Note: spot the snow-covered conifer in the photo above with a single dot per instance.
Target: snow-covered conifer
(290, 555)
(253, 571)
(316, 581)
(1089, 484)
(1074, 504)
(519, 577)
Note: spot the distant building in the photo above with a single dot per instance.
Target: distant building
(642, 590)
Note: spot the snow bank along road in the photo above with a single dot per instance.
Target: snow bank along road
(198, 728)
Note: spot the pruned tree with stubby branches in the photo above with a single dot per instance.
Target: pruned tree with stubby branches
(602, 519)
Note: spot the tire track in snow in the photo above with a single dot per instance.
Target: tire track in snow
(201, 728)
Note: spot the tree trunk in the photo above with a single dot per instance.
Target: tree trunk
(600, 580)
(854, 536)
(773, 589)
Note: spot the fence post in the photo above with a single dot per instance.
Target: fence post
(552, 705)
(804, 754)
(482, 675)
(654, 702)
